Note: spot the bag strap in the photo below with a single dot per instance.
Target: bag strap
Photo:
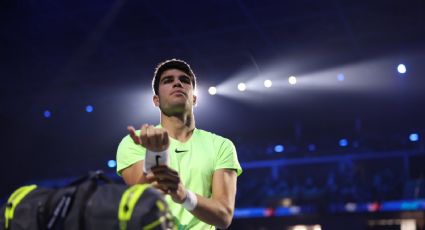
(61, 210)
(98, 175)
(166, 217)
(17, 196)
(128, 202)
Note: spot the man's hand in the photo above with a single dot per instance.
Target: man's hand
(154, 139)
(168, 180)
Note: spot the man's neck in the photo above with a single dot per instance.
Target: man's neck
(179, 127)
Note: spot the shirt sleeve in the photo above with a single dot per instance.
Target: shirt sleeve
(227, 157)
(129, 153)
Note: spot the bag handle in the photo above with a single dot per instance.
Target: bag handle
(98, 175)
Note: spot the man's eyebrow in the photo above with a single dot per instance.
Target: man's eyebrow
(171, 76)
(166, 77)
(184, 75)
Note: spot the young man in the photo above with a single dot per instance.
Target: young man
(203, 167)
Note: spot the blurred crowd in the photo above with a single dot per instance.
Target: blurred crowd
(341, 181)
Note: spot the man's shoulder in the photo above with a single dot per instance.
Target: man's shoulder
(207, 135)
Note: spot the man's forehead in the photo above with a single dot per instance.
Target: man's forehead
(173, 72)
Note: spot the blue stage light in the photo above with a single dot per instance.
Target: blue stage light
(279, 148)
(47, 114)
(89, 109)
(311, 147)
(343, 142)
(112, 163)
(401, 68)
(413, 137)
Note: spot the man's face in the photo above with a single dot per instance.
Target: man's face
(175, 94)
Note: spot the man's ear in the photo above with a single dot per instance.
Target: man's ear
(194, 99)
(155, 100)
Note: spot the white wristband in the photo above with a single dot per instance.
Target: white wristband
(153, 159)
(191, 201)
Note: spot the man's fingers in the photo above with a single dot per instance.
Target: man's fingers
(165, 185)
(150, 177)
(159, 187)
(168, 186)
(154, 137)
(163, 168)
(133, 135)
(150, 133)
(165, 139)
(143, 135)
(167, 179)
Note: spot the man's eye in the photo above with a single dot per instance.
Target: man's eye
(167, 81)
(185, 80)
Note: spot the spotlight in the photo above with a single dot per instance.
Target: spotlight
(112, 163)
(343, 142)
(212, 90)
(279, 148)
(413, 137)
(268, 83)
(47, 114)
(401, 68)
(292, 80)
(311, 147)
(89, 109)
(241, 86)
(341, 77)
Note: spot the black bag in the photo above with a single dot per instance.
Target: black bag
(90, 203)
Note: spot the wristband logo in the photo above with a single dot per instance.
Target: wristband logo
(157, 159)
(181, 151)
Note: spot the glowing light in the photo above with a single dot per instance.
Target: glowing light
(343, 142)
(112, 163)
(268, 83)
(311, 147)
(292, 80)
(351, 207)
(89, 109)
(279, 148)
(241, 86)
(401, 68)
(413, 137)
(47, 114)
(212, 90)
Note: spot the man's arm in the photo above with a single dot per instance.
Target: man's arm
(150, 138)
(134, 174)
(218, 210)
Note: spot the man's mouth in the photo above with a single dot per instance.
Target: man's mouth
(178, 92)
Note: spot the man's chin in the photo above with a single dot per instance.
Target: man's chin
(174, 109)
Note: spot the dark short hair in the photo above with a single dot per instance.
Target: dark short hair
(171, 64)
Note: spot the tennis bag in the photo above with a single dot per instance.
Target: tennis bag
(90, 203)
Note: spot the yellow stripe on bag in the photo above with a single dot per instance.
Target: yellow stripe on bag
(155, 223)
(128, 202)
(14, 200)
(160, 205)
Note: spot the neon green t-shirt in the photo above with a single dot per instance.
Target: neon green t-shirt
(195, 161)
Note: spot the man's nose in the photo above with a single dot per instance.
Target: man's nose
(177, 83)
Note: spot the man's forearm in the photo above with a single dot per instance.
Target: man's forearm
(134, 174)
(213, 212)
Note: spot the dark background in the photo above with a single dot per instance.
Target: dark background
(64, 55)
